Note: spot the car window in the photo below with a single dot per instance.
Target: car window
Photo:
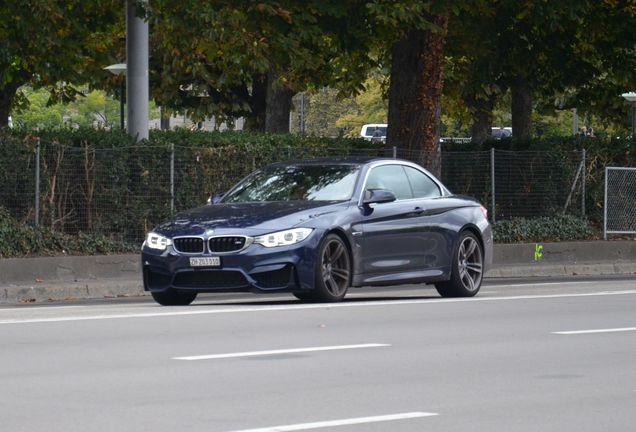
(297, 183)
(390, 177)
(423, 186)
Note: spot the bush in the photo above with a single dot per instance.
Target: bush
(557, 228)
(18, 240)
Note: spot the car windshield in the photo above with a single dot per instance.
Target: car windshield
(296, 183)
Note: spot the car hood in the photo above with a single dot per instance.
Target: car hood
(253, 216)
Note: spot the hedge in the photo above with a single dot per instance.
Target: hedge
(19, 240)
(542, 229)
(101, 182)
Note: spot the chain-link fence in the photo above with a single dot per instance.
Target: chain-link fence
(620, 201)
(123, 192)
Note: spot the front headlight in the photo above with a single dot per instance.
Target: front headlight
(156, 241)
(283, 238)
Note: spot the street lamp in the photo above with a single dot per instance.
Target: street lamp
(631, 97)
(119, 69)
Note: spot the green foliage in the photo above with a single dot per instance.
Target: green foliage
(102, 182)
(18, 240)
(372, 107)
(570, 54)
(209, 56)
(45, 42)
(542, 229)
(90, 110)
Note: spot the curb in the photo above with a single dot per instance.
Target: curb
(562, 270)
(66, 291)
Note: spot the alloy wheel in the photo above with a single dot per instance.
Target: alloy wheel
(335, 267)
(470, 263)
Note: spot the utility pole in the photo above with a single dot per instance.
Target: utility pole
(137, 91)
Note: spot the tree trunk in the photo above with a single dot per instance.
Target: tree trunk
(7, 93)
(521, 110)
(256, 121)
(164, 121)
(481, 111)
(278, 106)
(417, 79)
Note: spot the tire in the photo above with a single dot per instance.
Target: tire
(174, 297)
(333, 270)
(467, 271)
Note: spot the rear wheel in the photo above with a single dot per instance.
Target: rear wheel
(333, 270)
(174, 297)
(467, 271)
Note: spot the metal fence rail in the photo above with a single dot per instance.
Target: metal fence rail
(620, 201)
(123, 192)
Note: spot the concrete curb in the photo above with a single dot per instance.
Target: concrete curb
(28, 280)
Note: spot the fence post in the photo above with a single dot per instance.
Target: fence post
(172, 178)
(37, 183)
(583, 156)
(605, 208)
(492, 181)
(394, 152)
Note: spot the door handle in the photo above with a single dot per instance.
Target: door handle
(418, 210)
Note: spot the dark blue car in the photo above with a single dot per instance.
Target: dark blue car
(315, 228)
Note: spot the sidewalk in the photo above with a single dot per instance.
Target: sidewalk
(29, 280)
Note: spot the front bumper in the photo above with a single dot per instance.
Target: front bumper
(256, 268)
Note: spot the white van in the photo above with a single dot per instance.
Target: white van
(374, 130)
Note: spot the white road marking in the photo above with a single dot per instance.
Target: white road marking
(39, 307)
(193, 311)
(280, 351)
(343, 422)
(543, 284)
(610, 330)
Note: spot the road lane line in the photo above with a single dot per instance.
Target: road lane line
(533, 284)
(343, 422)
(39, 307)
(280, 351)
(194, 311)
(610, 330)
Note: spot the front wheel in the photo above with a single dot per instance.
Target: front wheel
(467, 271)
(333, 270)
(174, 297)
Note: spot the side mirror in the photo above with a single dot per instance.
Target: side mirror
(214, 199)
(377, 196)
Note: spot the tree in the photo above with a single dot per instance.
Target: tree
(48, 42)
(573, 53)
(413, 35)
(241, 58)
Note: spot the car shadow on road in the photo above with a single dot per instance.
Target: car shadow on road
(289, 302)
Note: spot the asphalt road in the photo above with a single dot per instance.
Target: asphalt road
(540, 356)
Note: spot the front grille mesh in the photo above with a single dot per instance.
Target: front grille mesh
(188, 244)
(226, 244)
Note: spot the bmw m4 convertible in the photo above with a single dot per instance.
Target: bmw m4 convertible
(319, 227)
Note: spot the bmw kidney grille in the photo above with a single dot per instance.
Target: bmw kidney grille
(226, 244)
(188, 244)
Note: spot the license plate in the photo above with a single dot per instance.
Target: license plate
(205, 262)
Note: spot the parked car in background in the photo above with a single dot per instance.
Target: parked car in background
(374, 132)
(499, 132)
(316, 228)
